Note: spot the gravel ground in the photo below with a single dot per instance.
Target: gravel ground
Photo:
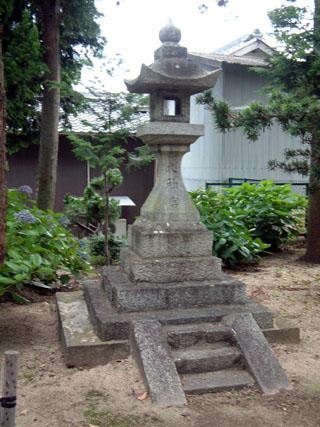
(52, 395)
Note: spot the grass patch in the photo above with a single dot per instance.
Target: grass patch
(95, 413)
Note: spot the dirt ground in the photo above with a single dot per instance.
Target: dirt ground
(52, 395)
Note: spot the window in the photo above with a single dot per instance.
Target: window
(171, 107)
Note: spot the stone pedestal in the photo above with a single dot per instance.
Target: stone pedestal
(167, 271)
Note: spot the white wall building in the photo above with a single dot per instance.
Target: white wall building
(218, 157)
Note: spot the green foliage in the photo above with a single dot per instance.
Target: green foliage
(25, 67)
(89, 209)
(105, 149)
(38, 245)
(274, 212)
(96, 248)
(80, 39)
(233, 241)
(248, 219)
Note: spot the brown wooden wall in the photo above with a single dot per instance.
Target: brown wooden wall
(72, 176)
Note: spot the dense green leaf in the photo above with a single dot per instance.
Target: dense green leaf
(38, 245)
(249, 219)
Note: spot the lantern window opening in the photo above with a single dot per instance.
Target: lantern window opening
(171, 107)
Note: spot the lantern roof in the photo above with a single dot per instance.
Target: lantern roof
(173, 69)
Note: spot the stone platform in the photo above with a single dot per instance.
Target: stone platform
(111, 323)
(180, 352)
(86, 343)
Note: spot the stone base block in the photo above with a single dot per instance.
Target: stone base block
(282, 332)
(166, 270)
(81, 346)
(110, 324)
(128, 296)
(152, 240)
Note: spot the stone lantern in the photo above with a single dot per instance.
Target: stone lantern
(168, 242)
(169, 291)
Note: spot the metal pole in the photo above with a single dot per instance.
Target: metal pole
(9, 387)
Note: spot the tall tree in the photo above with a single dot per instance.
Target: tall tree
(294, 102)
(65, 28)
(49, 13)
(3, 187)
(4, 12)
(24, 63)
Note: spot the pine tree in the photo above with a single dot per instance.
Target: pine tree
(104, 148)
(294, 102)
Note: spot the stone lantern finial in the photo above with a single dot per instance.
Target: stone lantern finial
(170, 33)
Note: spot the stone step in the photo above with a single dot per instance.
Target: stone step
(183, 336)
(205, 358)
(152, 355)
(210, 382)
(257, 354)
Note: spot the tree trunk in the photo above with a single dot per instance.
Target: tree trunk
(313, 218)
(106, 229)
(3, 161)
(49, 136)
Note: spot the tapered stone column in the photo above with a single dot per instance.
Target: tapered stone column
(168, 243)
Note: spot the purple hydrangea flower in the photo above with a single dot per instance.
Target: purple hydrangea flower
(25, 216)
(64, 221)
(25, 189)
(82, 243)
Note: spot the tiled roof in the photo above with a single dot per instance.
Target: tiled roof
(82, 122)
(218, 58)
(240, 51)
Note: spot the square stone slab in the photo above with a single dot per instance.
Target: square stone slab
(127, 296)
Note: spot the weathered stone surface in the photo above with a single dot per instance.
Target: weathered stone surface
(172, 133)
(182, 336)
(283, 332)
(210, 382)
(150, 351)
(81, 346)
(257, 354)
(144, 296)
(206, 358)
(169, 269)
(151, 240)
(109, 324)
(154, 79)
(168, 201)
(170, 34)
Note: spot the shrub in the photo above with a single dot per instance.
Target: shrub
(38, 245)
(233, 241)
(274, 212)
(248, 219)
(96, 248)
(88, 214)
(88, 210)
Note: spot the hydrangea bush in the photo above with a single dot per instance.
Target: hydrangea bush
(250, 219)
(38, 245)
